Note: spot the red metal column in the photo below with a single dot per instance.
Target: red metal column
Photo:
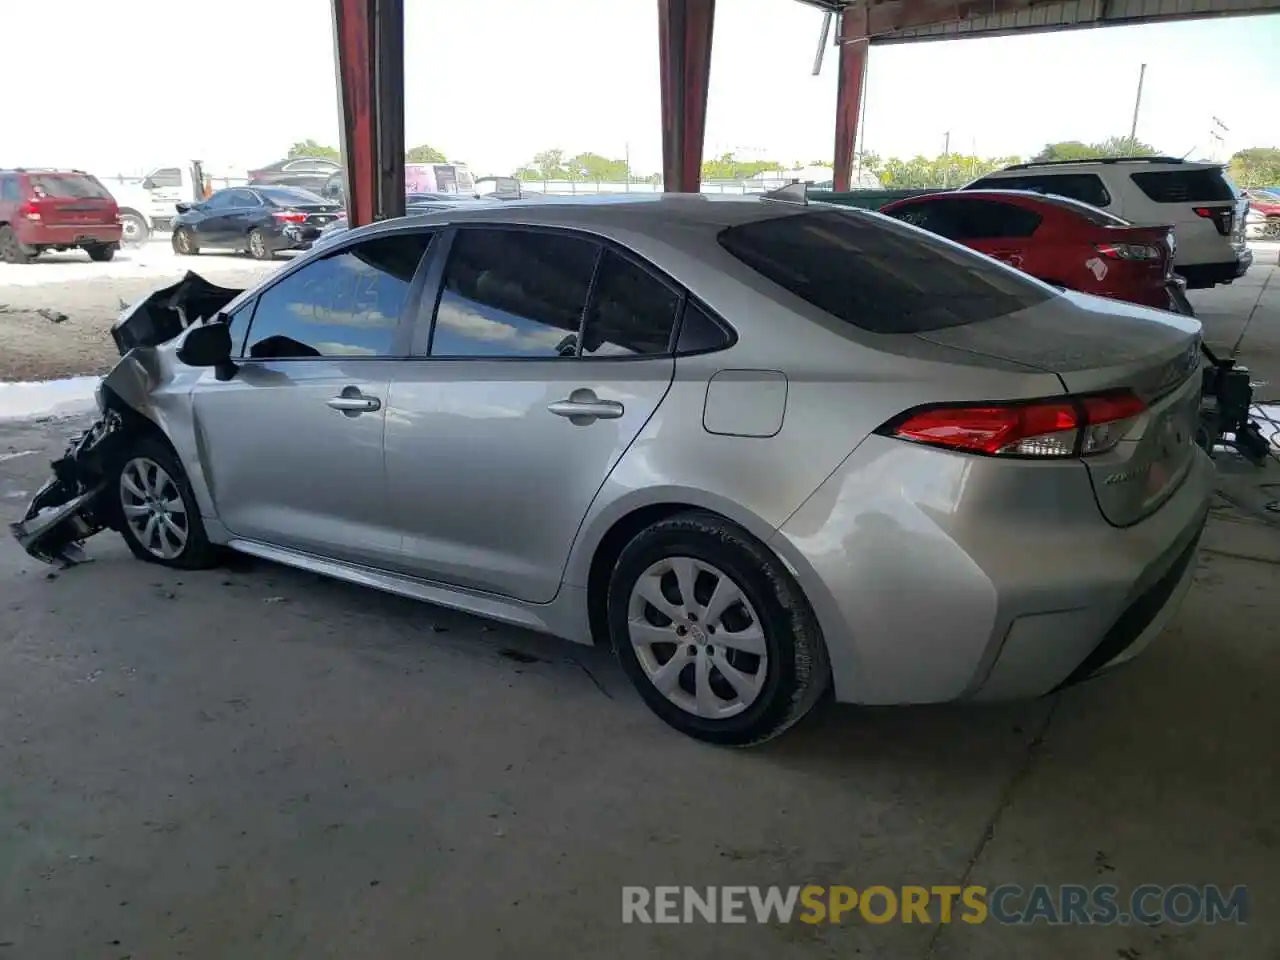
(849, 84)
(684, 48)
(369, 42)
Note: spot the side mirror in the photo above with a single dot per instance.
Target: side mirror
(184, 206)
(209, 345)
(148, 184)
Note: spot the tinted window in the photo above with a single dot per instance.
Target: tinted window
(632, 312)
(221, 200)
(346, 305)
(166, 177)
(9, 189)
(990, 219)
(288, 196)
(1184, 186)
(877, 275)
(242, 198)
(699, 332)
(1085, 187)
(931, 215)
(309, 166)
(513, 293)
(69, 186)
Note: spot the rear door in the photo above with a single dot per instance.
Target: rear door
(72, 200)
(1204, 207)
(218, 227)
(293, 442)
(546, 357)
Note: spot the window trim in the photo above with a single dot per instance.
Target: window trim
(425, 323)
(992, 182)
(401, 340)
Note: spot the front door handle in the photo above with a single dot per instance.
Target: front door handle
(583, 407)
(353, 403)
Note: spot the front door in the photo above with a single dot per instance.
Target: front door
(499, 438)
(293, 442)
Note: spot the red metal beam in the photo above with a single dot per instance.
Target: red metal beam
(849, 84)
(684, 49)
(369, 41)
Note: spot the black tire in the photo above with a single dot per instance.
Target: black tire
(135, 232)
(197, 553)
(101, 252)
(797, 672)
(260, 246)
(184, 243)
(11, 250)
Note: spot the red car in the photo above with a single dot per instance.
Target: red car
(56, 210)
(1061, 241)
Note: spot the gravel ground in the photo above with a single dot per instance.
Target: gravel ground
(40, 346)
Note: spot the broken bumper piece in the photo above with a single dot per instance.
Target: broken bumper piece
(70, 507)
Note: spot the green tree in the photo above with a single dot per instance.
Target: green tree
(728, 167)
(547, 165)
(1256, 167)
(424, 154)
(309, 148)
(1065, 150)
(592, 166)
(1110, 147)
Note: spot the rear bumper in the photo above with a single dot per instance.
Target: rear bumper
(1200, 276)
(296, 237)
(68, 235)
(939, 577)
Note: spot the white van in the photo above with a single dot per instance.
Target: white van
(1206, 210)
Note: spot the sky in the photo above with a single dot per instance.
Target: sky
(491, 82)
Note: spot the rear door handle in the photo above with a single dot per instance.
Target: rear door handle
(353, 403)
(583, 407)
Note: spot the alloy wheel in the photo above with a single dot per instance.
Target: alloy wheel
(257, 246)
(183, 240)
(153, 508)
(697, 637)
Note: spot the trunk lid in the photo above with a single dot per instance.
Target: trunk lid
(1094, 344)
(318, 214)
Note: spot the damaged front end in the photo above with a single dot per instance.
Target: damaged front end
(72, 505)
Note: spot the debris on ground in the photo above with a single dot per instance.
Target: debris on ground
(53, 316)
(275, 599)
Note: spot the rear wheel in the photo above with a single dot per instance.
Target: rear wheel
(713, 631)
(11, 249)
(259, 248)
(158, 514)
(134, 228)
(184, 243)
(101, 252)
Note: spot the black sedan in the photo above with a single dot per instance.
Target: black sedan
(309, 173)
(260, 220)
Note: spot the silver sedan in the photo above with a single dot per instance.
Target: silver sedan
(763, 449)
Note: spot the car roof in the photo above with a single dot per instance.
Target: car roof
(1075, 166)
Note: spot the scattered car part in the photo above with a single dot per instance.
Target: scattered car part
(1225, 412)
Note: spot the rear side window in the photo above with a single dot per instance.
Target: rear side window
(68, 186)
(346, 305)
(1085, 187)
(876, 275)
(958, 219)
(513, 293)
(1184, 186)
(9, 189)
(632, 312)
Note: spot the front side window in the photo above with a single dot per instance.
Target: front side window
(513, 293)
(1085, 187)
(632, 312)
(878, 275)
(928, 215)
(345, 305)
(166, 177)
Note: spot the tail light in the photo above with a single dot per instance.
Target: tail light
(290, 216)
(1038, 429)
(1221, 217)
(1129, 251)
(30, 210)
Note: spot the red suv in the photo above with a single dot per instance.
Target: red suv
(56, 210)
(1064, 242)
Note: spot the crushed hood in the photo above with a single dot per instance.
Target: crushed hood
(162, 315)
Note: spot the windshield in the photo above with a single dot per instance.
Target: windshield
(878, 274)
(68, 186)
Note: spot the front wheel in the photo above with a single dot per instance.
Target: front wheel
(184, 243)
(158, 514)
(713, 631)
(134, 229)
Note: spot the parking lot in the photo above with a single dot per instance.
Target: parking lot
(254, 762)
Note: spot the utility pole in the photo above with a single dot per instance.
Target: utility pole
(626, 147)
(946, 159)
(1137, 103)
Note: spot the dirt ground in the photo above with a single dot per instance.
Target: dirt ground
(81, 301)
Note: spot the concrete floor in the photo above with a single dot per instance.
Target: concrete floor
(254, 762)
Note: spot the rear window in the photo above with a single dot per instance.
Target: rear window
(68, 186)
(1085, 187)
(878, 275)
(290, 195)
(1184, 186)
(1099, 218)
